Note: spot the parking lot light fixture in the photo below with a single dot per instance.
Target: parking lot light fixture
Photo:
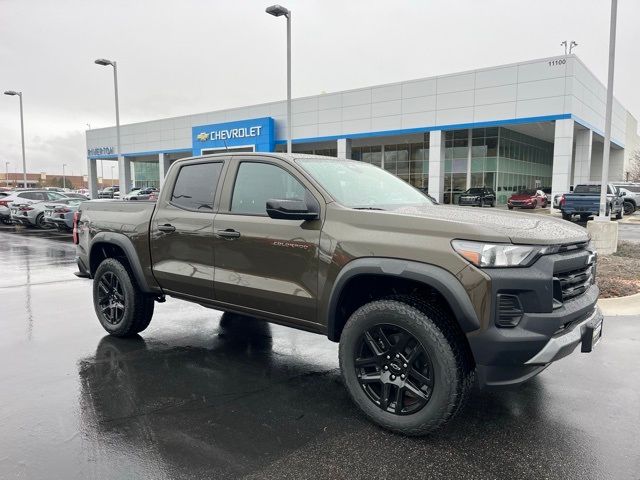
(104, 62)
(64, 178)
(12, 93)
(279, 11)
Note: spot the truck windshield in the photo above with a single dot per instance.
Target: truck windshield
(361, 185)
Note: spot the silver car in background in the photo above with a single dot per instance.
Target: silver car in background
(33, 215)
(61, 216)
(9, 205)
(140, 194)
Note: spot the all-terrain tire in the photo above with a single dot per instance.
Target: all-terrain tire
(138, 306)
(453, 373)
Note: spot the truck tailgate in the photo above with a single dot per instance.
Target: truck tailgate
(581, 203)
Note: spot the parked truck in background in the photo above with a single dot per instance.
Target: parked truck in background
(585, 202)
(422, 298)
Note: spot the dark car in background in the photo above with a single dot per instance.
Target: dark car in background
(528, 198)
(478, 197)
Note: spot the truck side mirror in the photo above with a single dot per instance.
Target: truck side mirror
(622, 194)
(290, 209)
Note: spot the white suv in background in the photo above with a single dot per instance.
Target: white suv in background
(23, 197)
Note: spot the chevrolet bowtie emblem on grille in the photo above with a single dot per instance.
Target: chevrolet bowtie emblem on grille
(203, 137)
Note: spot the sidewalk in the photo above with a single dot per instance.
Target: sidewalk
(620, 306)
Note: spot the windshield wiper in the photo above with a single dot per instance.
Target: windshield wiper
(368, 208)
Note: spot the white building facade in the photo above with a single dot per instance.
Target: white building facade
(536, 123)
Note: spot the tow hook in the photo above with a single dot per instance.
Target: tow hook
(160, 298)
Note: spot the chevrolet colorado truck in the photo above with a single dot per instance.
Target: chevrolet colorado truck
(585, 201)
(422, 298)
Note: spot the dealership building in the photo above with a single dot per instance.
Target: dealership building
(537, 123)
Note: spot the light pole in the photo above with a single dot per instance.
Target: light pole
(572, 45)
(6, 174)
(565, 46)
(278, 11)
(64, 178)
(104, 62)
(608, 114)
(112, 167)
(24, 161)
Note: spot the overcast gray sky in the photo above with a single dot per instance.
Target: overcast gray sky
(190, 56)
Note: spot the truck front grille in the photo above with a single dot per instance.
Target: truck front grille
(574, 283)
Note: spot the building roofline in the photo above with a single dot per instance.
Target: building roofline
(357, 89)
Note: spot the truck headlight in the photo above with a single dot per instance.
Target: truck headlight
(497, 254)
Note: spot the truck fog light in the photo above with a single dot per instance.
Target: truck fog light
(509, 311)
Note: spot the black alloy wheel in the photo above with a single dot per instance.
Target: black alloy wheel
(111, 299)
(394, 369)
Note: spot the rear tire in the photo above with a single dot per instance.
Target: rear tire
(510, 207)
(40, 223)
(437, 379)
(567, 216)
(122, 308)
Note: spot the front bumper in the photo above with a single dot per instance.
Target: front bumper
(562, 345)
(548, 329)
(469, 202)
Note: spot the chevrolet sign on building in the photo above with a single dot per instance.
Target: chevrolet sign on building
(255, 135)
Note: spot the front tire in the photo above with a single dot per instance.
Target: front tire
(405, 365)
(122, 308)
(567, 216)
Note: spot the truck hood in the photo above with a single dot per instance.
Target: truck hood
(520, 228)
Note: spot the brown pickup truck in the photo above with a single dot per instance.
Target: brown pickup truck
(423, 298)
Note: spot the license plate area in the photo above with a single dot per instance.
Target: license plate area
(592, 335)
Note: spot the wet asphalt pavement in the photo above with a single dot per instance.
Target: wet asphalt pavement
(205, 395)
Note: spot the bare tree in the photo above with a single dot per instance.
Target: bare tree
(634, 167)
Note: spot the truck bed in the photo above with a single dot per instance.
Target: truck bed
(109, 219)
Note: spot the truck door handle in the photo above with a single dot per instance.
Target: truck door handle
(166, 228)
(228, 233)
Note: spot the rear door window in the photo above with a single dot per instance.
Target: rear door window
(196, 186)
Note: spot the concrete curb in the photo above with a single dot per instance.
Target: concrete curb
(629, 305)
